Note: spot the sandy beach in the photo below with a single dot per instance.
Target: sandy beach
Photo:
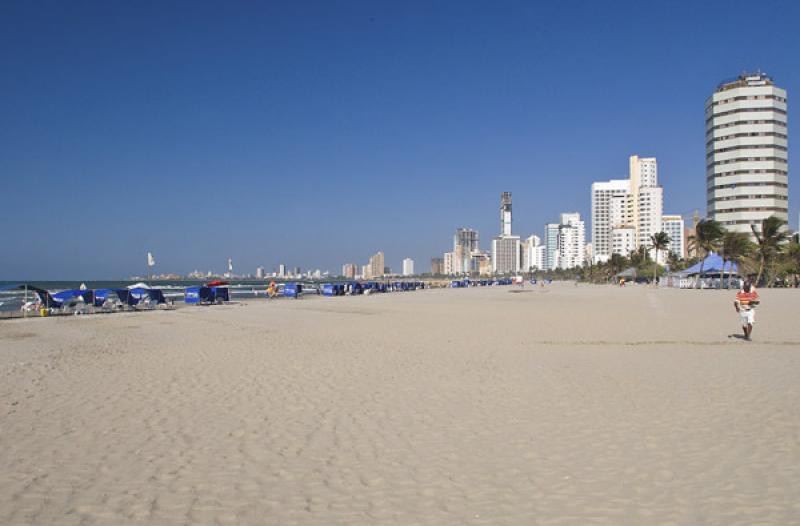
(558, 405)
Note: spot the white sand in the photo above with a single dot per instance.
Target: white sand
(588, 405)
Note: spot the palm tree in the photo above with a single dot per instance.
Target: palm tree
(616, 264)
(791, 259)
(735, 247)
(769, 239)
(707, 236)
(660, 241)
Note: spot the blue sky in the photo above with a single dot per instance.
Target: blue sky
(314, 134)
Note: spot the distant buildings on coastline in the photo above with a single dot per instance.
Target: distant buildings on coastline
(746, 180)
(564, 247)
(627, 212)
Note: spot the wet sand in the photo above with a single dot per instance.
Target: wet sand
(558, 405)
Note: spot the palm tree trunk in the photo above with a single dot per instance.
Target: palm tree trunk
(655, 268)
(760, 270)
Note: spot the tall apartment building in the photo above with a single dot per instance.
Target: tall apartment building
(552, 260)
(505, 254)
(376, 265)
(673, 225)
(506, 246)
(534, 254)
(408, 267)
(566, 242)
(623, 240)
(447, 264)
(611, 201)
(620, 205)
(437, 266)
(571, 241)
(648, 198)
(747, 167)
(349, 270)
(465, 242)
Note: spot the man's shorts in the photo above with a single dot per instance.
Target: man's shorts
(747, 316)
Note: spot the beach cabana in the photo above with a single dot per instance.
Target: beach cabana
(292, 290)
(138, 295)
(206, 295)
(332, 289)
(712, 264)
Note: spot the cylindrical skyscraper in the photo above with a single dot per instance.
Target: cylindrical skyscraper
(747, 173)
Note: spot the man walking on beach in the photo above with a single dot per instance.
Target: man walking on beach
(745, 302)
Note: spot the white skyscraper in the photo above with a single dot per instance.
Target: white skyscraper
(648, 199)
(673, 226)
(747, 168)
(610, 209)
(408, 267)
(551, 231)
(505, 247)
(571, 241)
(636, 203)
(447, 263)
(534, 254)
(623, 240)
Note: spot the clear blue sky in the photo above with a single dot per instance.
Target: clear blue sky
(315, 134)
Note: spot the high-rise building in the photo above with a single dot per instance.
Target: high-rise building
(505, 254)
(648, 199)
(610, 209)
(747, 168)
(437, 266)
(349, 270)
(571, 241)
(565, 242)
(465, 242)
(281, 271)
(447, 264)
(506, 246)
(623, 240)
(674, 227)
(620, 204)
(551, 242)
(377, 266)
(408, 267)
(260, 273)
(534, 254)
(505, 214)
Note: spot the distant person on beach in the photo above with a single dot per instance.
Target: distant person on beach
(745, 303)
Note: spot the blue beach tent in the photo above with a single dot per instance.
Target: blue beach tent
(712, 264)
(206, 295)
(292, 290)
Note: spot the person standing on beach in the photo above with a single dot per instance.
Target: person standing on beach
(745, 302)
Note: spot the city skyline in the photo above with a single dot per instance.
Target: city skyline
(442, 127)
